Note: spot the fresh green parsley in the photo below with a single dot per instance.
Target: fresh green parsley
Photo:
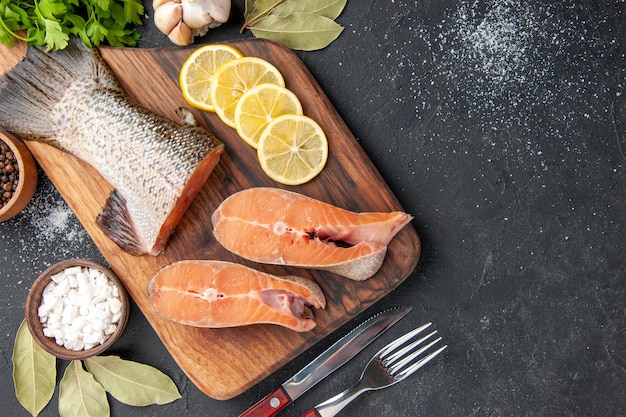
(50, 23)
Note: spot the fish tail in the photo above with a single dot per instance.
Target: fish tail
(115, 221)
(29, 91)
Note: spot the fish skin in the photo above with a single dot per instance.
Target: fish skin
(215, 294)
(275, 226)
(70, 99)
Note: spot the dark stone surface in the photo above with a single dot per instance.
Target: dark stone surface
(502, 128)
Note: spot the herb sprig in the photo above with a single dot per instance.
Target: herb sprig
(52, 22)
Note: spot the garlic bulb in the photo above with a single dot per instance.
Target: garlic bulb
(181, 20)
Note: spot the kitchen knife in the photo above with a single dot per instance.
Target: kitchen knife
(332, 358)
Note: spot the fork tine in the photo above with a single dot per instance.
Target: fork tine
(398, 342)
(409, 348)
(394, 367)
(411, 369)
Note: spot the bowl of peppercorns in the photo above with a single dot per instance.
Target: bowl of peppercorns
(18, 176)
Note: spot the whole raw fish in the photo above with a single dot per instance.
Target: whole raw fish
(70, 99)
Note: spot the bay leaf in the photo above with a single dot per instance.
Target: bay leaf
(327, 8)
(34, 372)
(257, 9)
(80, 395)
(132, 383)
(298, 31)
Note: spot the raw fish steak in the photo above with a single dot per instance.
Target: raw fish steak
(274, 226)
(223, 294)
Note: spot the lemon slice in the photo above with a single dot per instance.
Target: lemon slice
(292, 149)
(197, 73)
(234, 78)
(260, 105)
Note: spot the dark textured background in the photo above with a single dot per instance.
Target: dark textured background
(501, 126)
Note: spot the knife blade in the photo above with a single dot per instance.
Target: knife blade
(332, 358)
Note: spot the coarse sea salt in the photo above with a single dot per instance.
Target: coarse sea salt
(80, 308)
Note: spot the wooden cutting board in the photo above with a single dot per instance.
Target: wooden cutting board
(225, 362)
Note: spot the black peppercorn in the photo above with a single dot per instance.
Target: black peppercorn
(9, 173)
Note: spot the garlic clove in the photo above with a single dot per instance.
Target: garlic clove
(168, 16)
(200, 15)
(158, 3)
(181, 35)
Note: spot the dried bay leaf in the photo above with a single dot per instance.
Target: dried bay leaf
(299, 31)
(327, 8)
(132, 383)
(257, 9)
(34, 372)
(80, 395)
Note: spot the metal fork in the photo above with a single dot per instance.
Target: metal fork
(390, 365)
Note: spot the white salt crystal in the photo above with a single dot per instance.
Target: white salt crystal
(69, 334)
(62, 287)
(110, 329)
(54, 318)
(98, 326)
(102, 282)
(50, 300)
(116, 317)
(49, 288)
(115, 305)
(82, 280)
(99, 314)
(86, 292)
(59, 335)
(78, 323)
(72, 270)
(42, 312)
(68, 315)
(92, 338)
(71, 298)
(74, 344)
(58, 277)
(72, 281)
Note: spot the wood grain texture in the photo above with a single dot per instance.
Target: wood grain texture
(225, 362)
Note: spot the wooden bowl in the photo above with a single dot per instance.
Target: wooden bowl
(34, 300)
(27, 180)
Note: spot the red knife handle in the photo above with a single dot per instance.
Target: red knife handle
(311, 413)
(270, 405)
